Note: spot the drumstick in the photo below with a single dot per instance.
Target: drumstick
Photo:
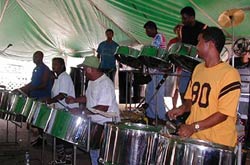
(19, 90)
(105, 114)
(63, 105)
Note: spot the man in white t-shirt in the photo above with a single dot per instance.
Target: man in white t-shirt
(100, 96)
(63, 86)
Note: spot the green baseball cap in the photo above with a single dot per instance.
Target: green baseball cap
(90, 61)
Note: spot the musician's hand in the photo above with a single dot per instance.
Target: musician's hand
(186, 130)
(70, 100)
(49, 101)
(175, 112)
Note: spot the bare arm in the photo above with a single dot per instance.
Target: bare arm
(71, 100)
(103, 108)
(214, 119)
(175, 112)
(55, 99)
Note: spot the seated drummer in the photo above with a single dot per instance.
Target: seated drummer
(212, 95)
(100, 95)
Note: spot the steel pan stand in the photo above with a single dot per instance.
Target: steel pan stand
(74, 154)
(145, 105)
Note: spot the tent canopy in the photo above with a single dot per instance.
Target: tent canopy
(76, 27)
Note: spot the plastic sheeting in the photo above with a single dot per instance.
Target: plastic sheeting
(76, 27)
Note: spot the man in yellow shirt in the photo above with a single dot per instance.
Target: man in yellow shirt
(212, 95)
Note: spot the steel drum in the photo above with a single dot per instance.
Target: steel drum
(129, 143)
(185, 151)
(27, 107)
(184, 55)
(154, 57)
(128, 56)
(71, 128)
(4, 102)
(16, 104)
(39, 115)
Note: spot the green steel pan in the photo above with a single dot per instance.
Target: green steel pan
(184, 56)
(68, 127)
(39, 115)
(154, 57)
(128, 56)
(4, 102)
(27, 107)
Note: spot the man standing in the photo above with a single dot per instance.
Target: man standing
(100, 95)
(40, 86)
(212, 95)
(106, 51)
(63, 86)
(156, 107)
(41, 82)
(189, 35)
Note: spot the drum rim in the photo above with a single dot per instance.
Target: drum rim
(198, 142)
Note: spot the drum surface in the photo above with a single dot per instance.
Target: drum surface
(4, 102)
(129, 143)
(184, 151)
(16, 104)
(184, 55)
(27, 107)
(154, 57)
(39, 115)
(128, 56)
(71, 128)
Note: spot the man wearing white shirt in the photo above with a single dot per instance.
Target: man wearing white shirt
(62, 87)
(100, 95)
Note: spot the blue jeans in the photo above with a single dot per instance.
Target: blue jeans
(94, 155)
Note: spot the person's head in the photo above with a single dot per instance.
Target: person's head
(187, 16)
(109, 34)
(211, 38)
(38, 57)
(91, 67)
(58, 65)
(150, 28)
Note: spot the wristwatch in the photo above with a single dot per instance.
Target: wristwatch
(196, 127)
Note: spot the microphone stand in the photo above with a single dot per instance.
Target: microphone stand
(6, 48)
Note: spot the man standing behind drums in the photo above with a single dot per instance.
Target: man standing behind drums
(63, 86)
(39, 87)
(212, 95)
(100, 95)
(189, 34)
(106, 52)
(177, 31)
(156, 106)
(41, 82)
